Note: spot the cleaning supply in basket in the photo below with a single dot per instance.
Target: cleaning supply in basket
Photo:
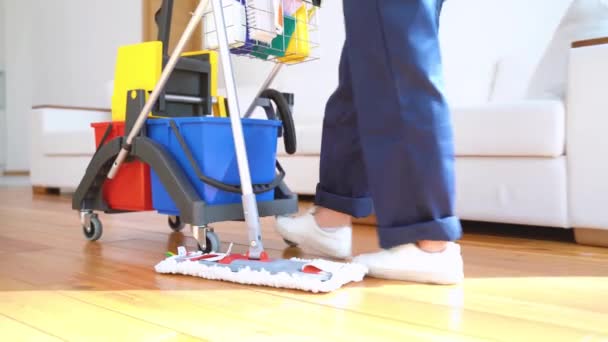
(277, 8)
(279, 43)
(235, 16)
(299, 44)
(291, 6)
(260, 20)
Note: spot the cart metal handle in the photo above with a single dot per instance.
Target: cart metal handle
(250, 205)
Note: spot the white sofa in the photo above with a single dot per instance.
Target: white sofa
(62, 143)
(526, 154)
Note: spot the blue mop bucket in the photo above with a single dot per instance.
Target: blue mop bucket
(210, 142)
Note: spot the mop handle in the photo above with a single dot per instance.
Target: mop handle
(164, 77)
(250, 208)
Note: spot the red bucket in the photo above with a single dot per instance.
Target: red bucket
(130, 190)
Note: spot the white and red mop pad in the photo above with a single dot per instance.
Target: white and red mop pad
(307, 275)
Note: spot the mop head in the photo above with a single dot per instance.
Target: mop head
(307, 275)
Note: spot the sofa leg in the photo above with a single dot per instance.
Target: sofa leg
(591, 237)
(45, 190)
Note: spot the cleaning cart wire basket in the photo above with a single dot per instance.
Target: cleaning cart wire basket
(280, 31)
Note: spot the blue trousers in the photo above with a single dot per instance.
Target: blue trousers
(387, 134)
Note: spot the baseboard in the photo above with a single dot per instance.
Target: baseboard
(591, 237)
(16, 173)
(587, 236)
(45, 190)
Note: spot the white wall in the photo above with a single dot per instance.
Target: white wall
(77, 42)
(2, 88)
(18, 53)
(61, 52)
(2, 24)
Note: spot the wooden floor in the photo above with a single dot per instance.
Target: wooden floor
(56, 286)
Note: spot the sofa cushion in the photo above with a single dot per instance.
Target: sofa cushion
(529, 190)
(524, 128)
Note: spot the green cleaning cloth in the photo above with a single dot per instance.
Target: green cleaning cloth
(279, 44)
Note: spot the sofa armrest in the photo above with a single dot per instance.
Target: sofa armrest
(67, 118)
(35, 146)
(587, 133)
(60, 131)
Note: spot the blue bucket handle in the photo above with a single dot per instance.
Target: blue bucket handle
(257, 188)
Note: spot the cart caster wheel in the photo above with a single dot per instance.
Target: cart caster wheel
(213, 243)
(290, 243)
(94, 230)
(175, 223)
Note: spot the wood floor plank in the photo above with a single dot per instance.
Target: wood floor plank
(9, 283)
(516, 289)
(13, 330)
(76, 320)
(580, 293)
(488, 317)
(9, 245)
(232, 314)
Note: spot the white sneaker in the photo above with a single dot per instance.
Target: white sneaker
(410, 263)
(304, 231)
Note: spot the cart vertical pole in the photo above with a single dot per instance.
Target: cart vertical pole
(249, 200)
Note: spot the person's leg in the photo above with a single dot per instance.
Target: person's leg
(342, 180)
(406, 136)
(342, 191)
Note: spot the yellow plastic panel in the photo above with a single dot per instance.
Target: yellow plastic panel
(138, 66)
(219, 108)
